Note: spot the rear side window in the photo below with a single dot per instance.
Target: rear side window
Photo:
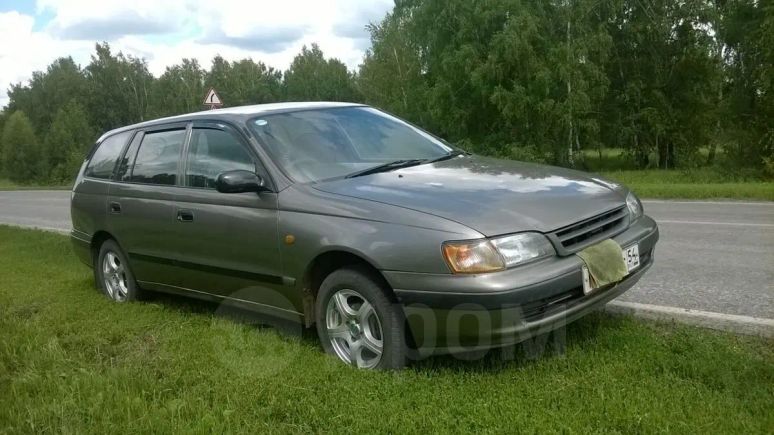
(124, 171)
(105, 156)
(212, 152)
(157, 159)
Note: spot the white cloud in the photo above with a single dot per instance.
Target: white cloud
(24, 50)
(90, 19)
(166, 31)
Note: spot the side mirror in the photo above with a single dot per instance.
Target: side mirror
(239, 181)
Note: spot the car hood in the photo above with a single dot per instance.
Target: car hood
(489, 195)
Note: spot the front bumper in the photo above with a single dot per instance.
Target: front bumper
(457, 313)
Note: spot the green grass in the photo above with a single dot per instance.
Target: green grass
(6, 184)
(697, 183)
(72, 362)
(704, 183)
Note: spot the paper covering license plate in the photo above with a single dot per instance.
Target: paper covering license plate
(631, 257)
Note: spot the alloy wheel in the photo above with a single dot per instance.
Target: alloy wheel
(114, 276)
(354, 329)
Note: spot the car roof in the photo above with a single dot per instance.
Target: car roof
(232, 113)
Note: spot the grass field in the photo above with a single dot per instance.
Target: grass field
(6, 184)
(72, 362)
(695, 184)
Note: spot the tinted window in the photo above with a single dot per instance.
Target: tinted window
(157, 159)
(124, 171)
(104, 158)
(212, 152)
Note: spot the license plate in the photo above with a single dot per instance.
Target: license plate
(587, 288)
(631, 256)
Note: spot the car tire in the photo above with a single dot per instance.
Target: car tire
(114, 275)
(358, 323)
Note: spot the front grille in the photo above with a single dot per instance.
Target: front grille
(599, 227)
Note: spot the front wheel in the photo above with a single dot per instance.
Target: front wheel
(358, 323)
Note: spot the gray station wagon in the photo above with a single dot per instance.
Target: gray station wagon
(392, 242)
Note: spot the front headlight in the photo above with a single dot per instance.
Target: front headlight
(472, 256)
(634, 205)
(524, 247)
(479, 256)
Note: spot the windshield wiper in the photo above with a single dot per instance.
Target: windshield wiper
(452, 154)
(397, 164)
(385, 167)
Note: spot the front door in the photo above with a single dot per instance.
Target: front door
(228, 242)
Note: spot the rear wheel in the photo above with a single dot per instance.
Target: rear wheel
(357, 322)
(113, 273)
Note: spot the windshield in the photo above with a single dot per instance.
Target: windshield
(314, 145)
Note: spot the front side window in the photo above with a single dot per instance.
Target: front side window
(105, 156)
(213, 152)
(313, 145)
(158, 157)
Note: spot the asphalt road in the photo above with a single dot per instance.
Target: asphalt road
(712, 256)
(46, 209)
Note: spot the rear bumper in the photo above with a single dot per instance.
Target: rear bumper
(454, 313)
(81, 243)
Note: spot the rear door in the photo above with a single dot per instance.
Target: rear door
(227, 241)
(141, 202)
(88, 206)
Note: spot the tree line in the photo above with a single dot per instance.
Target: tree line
(671, 83)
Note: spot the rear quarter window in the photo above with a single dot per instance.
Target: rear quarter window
(104, 158)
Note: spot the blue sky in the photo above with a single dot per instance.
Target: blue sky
(26, 7)
(165, 31)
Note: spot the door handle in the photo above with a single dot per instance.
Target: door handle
(115, 207)
(185, 216)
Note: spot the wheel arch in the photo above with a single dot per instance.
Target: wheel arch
(326, 263)
(97, 240)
